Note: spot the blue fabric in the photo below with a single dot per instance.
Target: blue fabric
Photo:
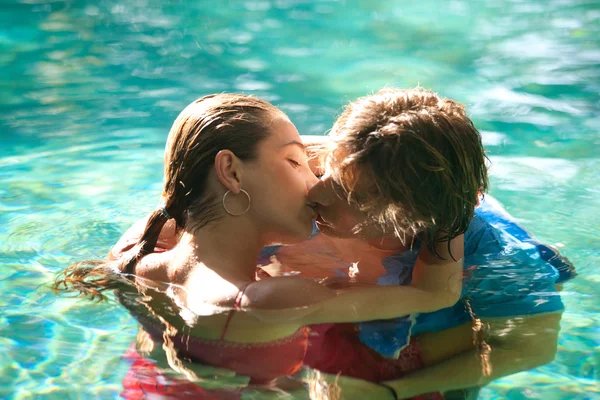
(493, 212)
(264, 258)
(507, 272)
(504, 275)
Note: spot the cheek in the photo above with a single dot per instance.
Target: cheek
(352, 221)
(287, 188)
(346, 213)
(282, 185)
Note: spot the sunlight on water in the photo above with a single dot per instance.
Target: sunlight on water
(89, 91)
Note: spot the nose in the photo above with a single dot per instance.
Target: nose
(321, 193)
(311, 181)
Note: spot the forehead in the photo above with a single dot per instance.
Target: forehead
(282, 132)
(356, 179)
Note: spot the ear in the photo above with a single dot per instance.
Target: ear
(229, 170)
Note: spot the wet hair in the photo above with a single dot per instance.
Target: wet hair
(235, 122)
(413, 162)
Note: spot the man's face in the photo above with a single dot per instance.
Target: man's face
(339, 216)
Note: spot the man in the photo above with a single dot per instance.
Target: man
(402, 175)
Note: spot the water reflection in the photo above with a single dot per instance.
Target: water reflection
(89, 89)
(498, 347)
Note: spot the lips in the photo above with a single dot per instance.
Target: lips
(319, 220)
(314, 210)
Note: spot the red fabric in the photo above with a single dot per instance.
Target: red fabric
(146, 381)
(337, 349)
(262, 362)
(238, 302)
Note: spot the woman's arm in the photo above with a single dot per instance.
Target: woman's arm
(436, 284)
(524, 343)
(287, 299)
(382, 302)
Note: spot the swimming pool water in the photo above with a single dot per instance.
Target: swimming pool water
(88, 91)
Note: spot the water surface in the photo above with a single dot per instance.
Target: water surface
(88, 91)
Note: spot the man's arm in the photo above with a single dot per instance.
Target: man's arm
(441, 274)
(505, 354)
(306, 302)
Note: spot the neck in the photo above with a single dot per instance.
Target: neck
(387, 245)
(230, 247)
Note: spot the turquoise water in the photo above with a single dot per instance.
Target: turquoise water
(88, 91)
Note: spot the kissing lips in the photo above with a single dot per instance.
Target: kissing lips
(320, 220)
(315, 213)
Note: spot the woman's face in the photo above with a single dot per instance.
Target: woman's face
(278, 182)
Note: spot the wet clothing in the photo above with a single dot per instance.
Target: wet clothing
(504, 275)
(261, 361)
(507, 272)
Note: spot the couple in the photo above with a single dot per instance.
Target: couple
(401, 180)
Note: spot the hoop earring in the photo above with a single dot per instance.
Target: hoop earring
(243, 212)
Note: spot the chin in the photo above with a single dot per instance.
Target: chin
(327, 230)
(299, 235)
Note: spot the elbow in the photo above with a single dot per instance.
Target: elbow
(536, 357)
(545, 354)
(438, 301)
(449, 299)
(543, 346)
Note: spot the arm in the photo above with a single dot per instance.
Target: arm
(440, 275)
(308, 302)
(387, 302)
(507, 354)
(436, 284)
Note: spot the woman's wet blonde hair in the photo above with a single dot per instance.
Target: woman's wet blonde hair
(235, 122)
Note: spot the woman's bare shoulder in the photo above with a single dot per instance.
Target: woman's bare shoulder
(167, 240)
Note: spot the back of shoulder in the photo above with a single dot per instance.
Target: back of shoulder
(285, 292)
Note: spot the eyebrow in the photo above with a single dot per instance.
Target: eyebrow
(295, 143)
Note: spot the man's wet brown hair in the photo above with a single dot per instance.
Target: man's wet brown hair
(412, 160)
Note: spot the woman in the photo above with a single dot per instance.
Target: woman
(236, 180)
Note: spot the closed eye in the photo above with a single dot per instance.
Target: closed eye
(294, 163)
